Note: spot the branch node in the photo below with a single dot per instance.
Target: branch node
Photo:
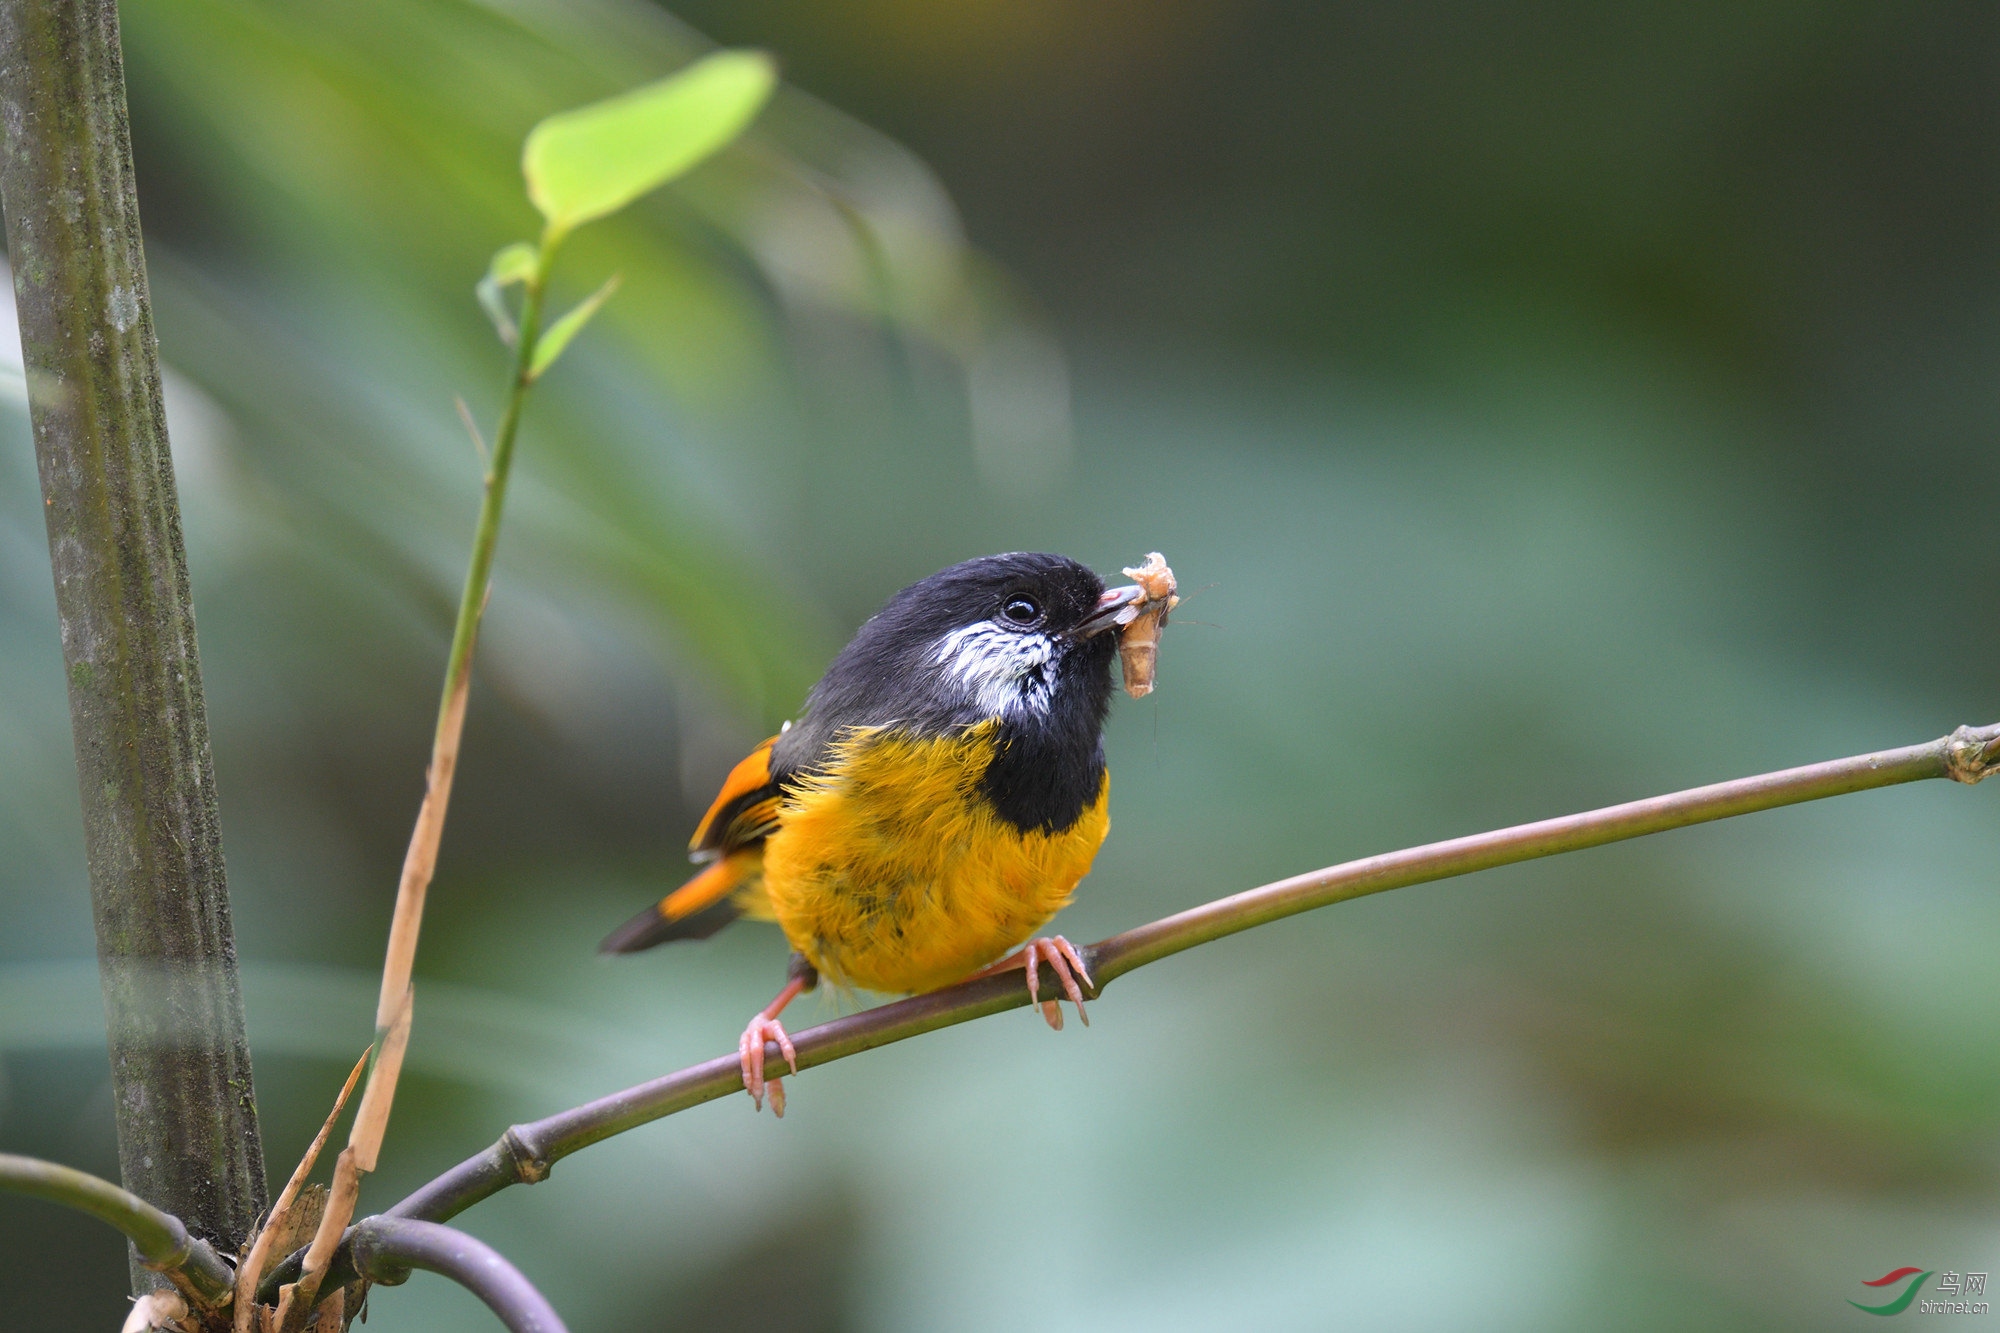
(372, 1263)
(529, 1166)
(178, 1257)
(1972, 753)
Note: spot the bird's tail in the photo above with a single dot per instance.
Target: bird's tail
(730, 888)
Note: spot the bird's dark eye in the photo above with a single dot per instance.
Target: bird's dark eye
(1022, 609)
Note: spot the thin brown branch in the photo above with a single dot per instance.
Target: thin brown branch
(420, 861)
(392, 1008)
(472, 429)
(364, 1140)
(526, 1153)
(1967, 755)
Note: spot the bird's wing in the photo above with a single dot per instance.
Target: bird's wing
(732, 887)
(744, 812)
(731, 838)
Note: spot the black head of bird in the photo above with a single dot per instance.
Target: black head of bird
(1019, 641)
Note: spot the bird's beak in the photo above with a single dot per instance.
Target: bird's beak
(1118, 606)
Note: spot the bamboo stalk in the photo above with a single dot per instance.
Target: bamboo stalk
(180, 1066)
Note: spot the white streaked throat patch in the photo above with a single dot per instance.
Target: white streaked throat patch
(1006, 670)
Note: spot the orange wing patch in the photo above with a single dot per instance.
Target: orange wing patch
(733, 887)
(709, 887)
(744, 810)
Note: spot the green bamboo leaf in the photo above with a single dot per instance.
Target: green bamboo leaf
(513, 263)
(551, 344)
(585, 163)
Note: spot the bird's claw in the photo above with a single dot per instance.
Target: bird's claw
(1061, 956)
(750, 1050)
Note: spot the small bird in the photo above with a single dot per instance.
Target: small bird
(934, 805)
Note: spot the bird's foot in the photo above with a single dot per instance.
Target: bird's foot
(750, 1050)
(1062, 957)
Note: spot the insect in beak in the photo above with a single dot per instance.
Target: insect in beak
(1115, 608)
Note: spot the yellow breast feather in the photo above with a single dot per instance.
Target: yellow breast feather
(890, 870)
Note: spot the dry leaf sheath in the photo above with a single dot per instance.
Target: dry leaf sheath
(280, 1225)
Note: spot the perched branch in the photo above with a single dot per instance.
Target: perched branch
(385, 1249)
(525, 1154)
(162, 1241)
(1967, 755)
(180, 1066)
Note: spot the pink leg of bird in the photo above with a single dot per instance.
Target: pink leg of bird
(1061, 956)
(750, 1047)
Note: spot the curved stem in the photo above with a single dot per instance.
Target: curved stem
(385, 1249)
(421, 859)
(525, 1153)
(161, 1239)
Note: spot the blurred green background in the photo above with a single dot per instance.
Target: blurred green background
(1544, 405)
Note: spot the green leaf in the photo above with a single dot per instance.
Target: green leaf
(586, 163)
(513, 263)
(551, 344)
(510, 264)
